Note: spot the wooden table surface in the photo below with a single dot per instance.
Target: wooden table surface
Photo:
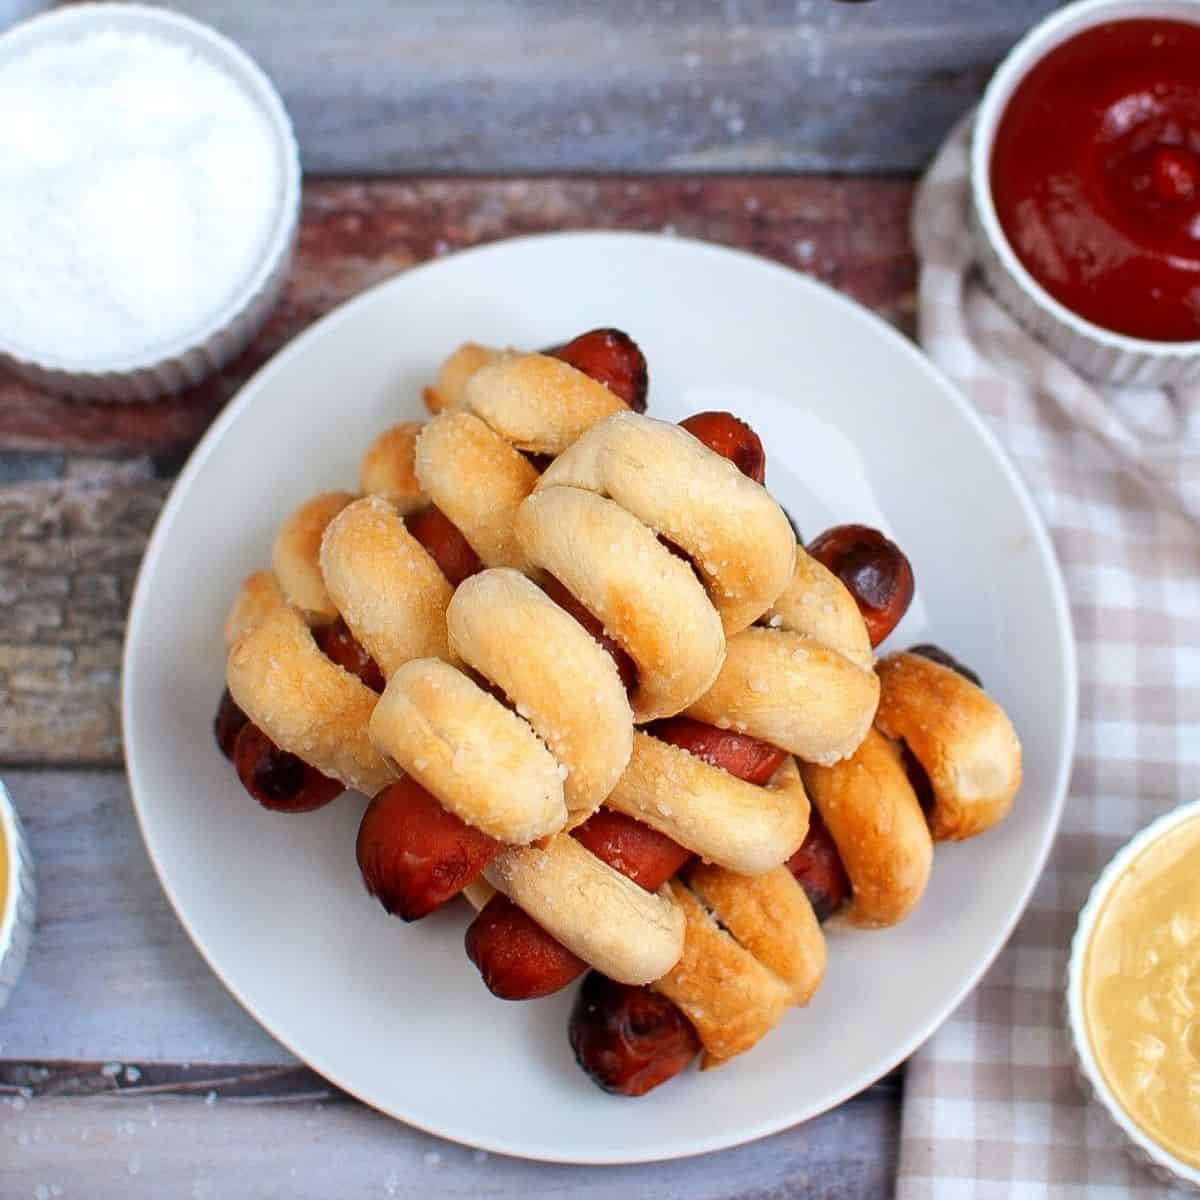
(125, 1068)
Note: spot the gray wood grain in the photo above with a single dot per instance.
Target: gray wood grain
(106, 1147)
(627, 85)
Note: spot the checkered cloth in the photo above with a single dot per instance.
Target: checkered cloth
(991, 1105)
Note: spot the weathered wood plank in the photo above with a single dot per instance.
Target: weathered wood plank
(852, 233)
(69, 552)
(132, 1147)
(629, 85)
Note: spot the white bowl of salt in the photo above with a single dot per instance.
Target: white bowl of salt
(149, 200)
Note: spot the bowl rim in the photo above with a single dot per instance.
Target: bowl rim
(75, 20)
(1077, 1026)
(10, 858)
(1047, 35)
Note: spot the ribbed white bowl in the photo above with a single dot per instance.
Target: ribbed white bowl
(1094, 351)
(1162, 1164)
(193, 356)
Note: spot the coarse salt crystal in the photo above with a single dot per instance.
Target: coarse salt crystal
(139, 188)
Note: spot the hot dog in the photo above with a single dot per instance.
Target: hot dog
(818, 869)
(445, 544)
(338, 644)
(629, 1039)
(278, 780)
(516, 957)
(612, 358)
(606, 355)
(731, 438)
(414, 855)
(875, 571)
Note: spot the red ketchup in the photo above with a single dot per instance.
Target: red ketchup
(1096, 176)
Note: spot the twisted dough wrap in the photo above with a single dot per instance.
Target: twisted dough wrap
(295, 556)
(389, 468)
(736, 535)
(627, 933)
(450, 389)
(537, 403)
(560, 679)
(876, 822)
(258, 596)
(803, 681)
(477, 479)
(385, 585)
(738, 825)
(468, 458)
(648, 600)
(736, 978)
(306, 704)
(961, 737)
(481, 761)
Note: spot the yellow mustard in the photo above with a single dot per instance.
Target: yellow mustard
(1141, 990)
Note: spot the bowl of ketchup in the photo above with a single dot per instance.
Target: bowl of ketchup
(1085, 169)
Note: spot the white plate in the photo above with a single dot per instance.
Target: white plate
(858, 427)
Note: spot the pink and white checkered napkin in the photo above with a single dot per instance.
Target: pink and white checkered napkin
(991, 1106)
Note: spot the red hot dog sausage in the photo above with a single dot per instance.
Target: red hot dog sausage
(276, 779)
(745, 757)
(414, 855)
(731, 438)
(818, 869)
(875, 571)
(517, 958)
(612, 358)
(339, 645)
(446, 545)
(629, 1039)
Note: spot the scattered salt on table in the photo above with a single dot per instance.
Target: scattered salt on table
(139, 185)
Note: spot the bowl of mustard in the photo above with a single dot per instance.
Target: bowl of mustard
(1133, 994)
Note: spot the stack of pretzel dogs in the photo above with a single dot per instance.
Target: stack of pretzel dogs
(590, 681)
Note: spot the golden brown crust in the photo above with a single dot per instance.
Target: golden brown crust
(803, 679)
(305, 703)
(725, 820)
(478, 480)
(960, 736)
(627, 933)
(818, 605)
(481, 761)
(770, 917)
(295, 556)
(258, 596)
(450, 389)
(879, 829)
(537, 403)
(734, 996)
(792, 691)
(386, 587)
(736, 535)
(558, 677)
(647, 599)
(388, 469)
